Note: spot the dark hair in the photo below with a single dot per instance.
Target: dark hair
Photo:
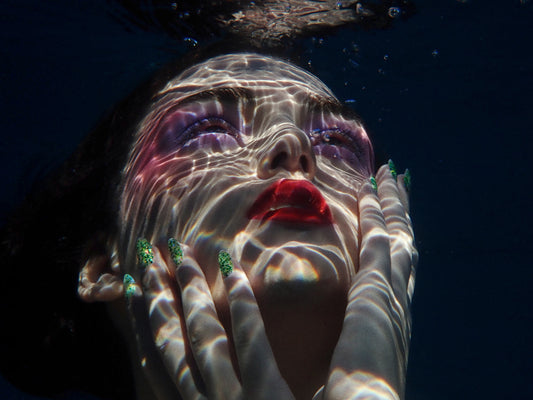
(51, 340)
(50, 336)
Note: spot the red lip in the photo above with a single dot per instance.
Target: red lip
(290, 200)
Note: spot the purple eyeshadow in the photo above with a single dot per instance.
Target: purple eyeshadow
(182, 130)
(337, 143)
(213, 141)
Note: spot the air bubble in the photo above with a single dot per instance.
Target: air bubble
(190, 42)
(353, 63)
(317, 42)
(394, 12)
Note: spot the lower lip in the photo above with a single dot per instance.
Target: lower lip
(296, 215)
(291, 201)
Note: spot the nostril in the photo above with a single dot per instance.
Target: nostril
(304, 164)
(278, 160)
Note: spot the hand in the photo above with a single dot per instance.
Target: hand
(370, 359)
(189, 336)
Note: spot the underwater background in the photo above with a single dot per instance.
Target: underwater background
(447, 93)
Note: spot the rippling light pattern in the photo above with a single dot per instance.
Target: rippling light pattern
(255, 157)
(216, 137)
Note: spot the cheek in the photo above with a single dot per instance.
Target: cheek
(161, 175)
(150, 195)
(341, 197)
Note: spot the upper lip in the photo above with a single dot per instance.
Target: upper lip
(300, 196)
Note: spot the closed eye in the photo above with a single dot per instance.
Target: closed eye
(333, 137)
(209, 125)
(335, 143)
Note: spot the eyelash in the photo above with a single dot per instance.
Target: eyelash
(333, 137)
(209, 125)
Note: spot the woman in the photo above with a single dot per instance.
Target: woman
(254, 242)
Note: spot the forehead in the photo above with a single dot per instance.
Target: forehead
(256, 72)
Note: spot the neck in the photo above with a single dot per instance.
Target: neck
(303, 327)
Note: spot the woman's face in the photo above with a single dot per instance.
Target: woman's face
(253, 155)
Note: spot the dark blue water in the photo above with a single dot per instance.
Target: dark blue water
(447, 94)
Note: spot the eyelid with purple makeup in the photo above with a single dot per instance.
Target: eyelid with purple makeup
(328, 114)
(186, 119)
(337, 137)
(348, 131)
(332, 135)
(209, 126)
(228, 97)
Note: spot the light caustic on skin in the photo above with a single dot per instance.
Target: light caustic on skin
(254, 156)
(221, 134)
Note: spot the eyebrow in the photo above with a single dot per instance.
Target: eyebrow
(223, 94)
(316, 103)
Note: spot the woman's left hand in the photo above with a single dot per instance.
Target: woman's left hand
(370, 359)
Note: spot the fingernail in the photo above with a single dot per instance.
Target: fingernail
(129, 286)
(407, 179)
(373, 183)
(392, 168)
(145, 253)
(225, 264)
(175, 251)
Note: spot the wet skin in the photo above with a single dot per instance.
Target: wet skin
(216, 139)
(251, 155)
(211, 147)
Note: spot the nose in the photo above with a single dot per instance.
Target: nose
(288, 150)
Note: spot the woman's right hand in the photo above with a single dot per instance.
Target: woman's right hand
(191, 339)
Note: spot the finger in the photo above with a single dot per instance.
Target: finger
(399, 229)
(206, 334)
(166, 325)
(375, 248)
(319, 395)
(359, 385)
(404, 185)
(150, 362)
(260, 375)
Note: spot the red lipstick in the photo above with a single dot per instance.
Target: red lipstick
(291, 200)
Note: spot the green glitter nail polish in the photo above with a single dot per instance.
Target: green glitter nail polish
(129, 288)
(225, 264)
(407, 179)
(373, 183)
(145, 253)
(175, 251)
(392, 168)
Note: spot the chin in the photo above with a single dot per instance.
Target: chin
(295, 267)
